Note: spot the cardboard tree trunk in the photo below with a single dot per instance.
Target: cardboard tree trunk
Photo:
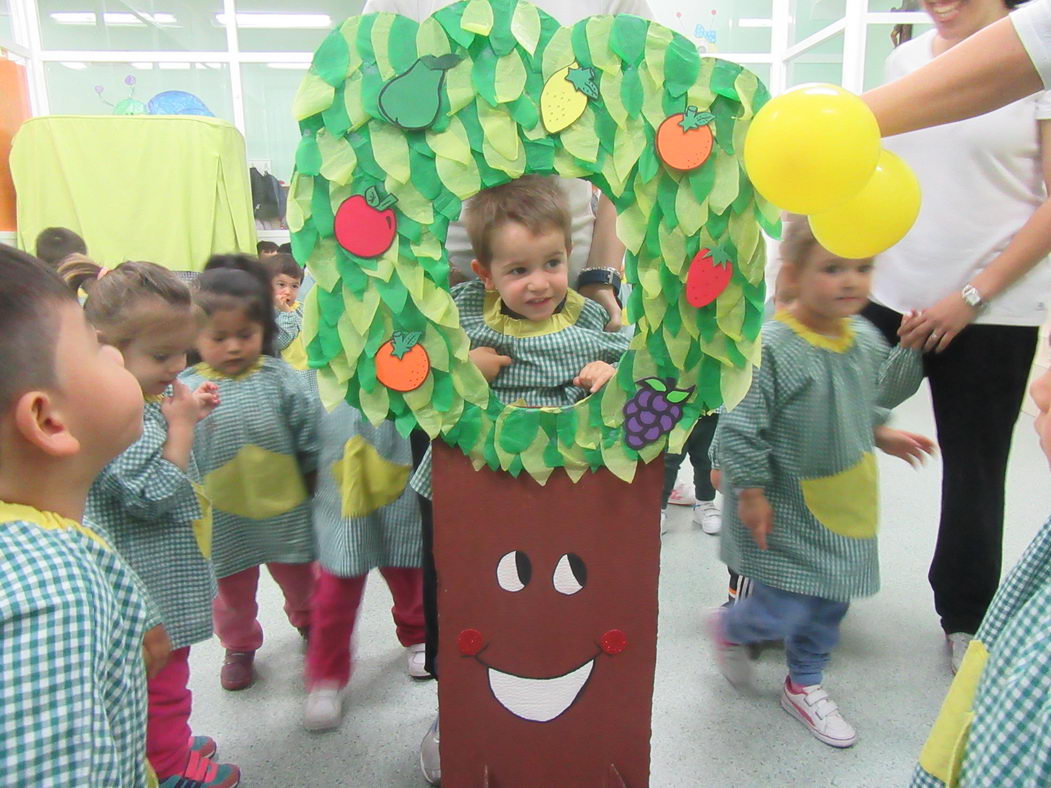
(547, 602)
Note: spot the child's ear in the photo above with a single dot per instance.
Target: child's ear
(41, 424)
(483, 273)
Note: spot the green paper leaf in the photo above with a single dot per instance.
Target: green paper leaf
(724, 79)
(580, 139)
(681, 66)
(401, 44)
(500, 36)
(525, 26)
(463, 180)
(632, 92)
(610, 89)
(628, 38)
(308, 157)
(452, 143)
(431, 38)
(598, 32)
(540, 155)
(478, 17)
(313, 96)
(658, 40)
(321, 209)
(304, 241)
(332, 59)
(559, 52)
(727, 182)
(501, 132)
(449, 17)
(391, 151)
(630, 141)
(379, 38)
(483, 74)
(526, 114)
(337, 158)
(459, 86)
(510, 77)
(519, 429)
(584, 80)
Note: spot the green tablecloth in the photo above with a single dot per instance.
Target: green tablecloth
(169, 189)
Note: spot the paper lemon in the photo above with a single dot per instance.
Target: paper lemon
(565, 97)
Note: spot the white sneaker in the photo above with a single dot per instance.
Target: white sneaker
(707, 515)
(958, 643)
(814, 708)
(416, 661)
(664, 521)
(732, 658)
(324, 707)
(682, 495)
(430, 759)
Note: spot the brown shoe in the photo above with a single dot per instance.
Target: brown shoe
(237, 672)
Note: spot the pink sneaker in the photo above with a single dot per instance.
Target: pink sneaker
(814, 708)
(733, 659)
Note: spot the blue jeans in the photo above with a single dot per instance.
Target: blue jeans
(809, 626)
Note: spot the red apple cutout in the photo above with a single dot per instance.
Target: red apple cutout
(709, 274)
(365, 225)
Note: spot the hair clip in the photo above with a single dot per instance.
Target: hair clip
(102, 272)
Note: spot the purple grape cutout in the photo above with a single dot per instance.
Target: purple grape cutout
(654, 411)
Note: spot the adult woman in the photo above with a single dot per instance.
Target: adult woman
(974, 270)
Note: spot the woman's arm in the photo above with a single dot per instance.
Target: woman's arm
(606, 252)
(982, 73)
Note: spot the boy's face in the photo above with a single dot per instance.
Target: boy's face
(1041, 393)
(100, 399)
(832, 287)
(286, 288)
(158, 354)
(530, 272)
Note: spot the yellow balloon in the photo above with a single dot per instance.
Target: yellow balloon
(877, 217)
(812, 148)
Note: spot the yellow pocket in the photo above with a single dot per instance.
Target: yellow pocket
(295, 355)
(846, 503)
(202, 526)
(257, 483)
(366, 480)
(942, 755)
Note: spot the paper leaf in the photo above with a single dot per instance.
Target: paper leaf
(431, 38)
(518, 429)
(451, 143)
(459, 86)
(462, 180)
(332, 59)
(391, 151)
(500, 131)
(313, 96)
(598, 32)
(525, 25)
(580, 139)
(628, 38)
(727, 181)
(379, 35)
(584, 80)
(681, 65)
(559, 52)
(658, 40)
(337, 158)
(609, 88)
(478, 17)
(510, 77)
(308, 157)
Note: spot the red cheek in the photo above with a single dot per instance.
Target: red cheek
(470, 642)
(613, 642)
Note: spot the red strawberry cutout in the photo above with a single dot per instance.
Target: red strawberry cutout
(709, 274)
(365, 225)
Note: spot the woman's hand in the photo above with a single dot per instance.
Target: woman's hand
(934, 329)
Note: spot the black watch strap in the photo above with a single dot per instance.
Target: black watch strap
(600, 276)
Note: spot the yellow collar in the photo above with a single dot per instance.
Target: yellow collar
(214, 374)
(153, 399)
(519, 327)
(49, 521)
(840, 344)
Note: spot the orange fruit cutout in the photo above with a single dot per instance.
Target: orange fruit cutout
(402, 364)
(684, 141)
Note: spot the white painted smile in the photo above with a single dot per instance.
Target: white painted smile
(539, 700)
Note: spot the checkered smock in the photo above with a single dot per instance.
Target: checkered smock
(545, 356)
(365, 514)
(804, 433)
(1009, 743)
(72, 679)
(151, 513)
(254, 451)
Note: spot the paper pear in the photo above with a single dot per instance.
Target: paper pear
(412, 99)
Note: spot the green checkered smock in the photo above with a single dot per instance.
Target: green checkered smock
(289, 324)
(289, 341)
(1009, 745)
(804, 433)
(72, 678)
(546, 356)
(254, 451)
(365, 514)
(148, 509)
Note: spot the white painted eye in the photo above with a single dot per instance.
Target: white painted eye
(571, 574)
(514, 571)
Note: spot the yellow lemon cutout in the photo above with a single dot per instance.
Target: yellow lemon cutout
(846, 503)
(367, 480)
(256, 483)
(565, 97)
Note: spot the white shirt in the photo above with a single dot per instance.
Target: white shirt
(982, 179)
(578, 191)
(1033, 24)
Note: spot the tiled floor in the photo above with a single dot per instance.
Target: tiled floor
(888, 675)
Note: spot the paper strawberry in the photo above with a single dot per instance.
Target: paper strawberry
(365, 225)
(709, 274)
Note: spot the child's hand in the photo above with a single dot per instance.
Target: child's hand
(908, 446)
(284, 301)
(156, 648)
(594, 376)
(908, 333)
(489, 362)
(756, 514)
(207, 396)
(715, 476)
(182, 407)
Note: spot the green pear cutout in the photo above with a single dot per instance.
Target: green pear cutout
(412, 99)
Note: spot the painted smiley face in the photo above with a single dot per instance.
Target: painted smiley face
(540, 698)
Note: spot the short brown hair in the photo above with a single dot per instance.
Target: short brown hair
(534, 201)
(54, 243)
(281, 263)
(30, 292)
(797, 240)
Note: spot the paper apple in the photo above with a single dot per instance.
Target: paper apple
(365, 224)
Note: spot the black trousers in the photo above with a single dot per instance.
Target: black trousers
(420, 442)
(977, 387)
(697, 446)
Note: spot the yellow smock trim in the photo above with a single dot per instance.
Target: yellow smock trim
(214, 374)
(295, 355)
(49, 521)
(942, 755)
(257, 484)
(202, 526)
(367, 481)
(846, 503)
(840, 344)
(153, 399)
(520, 327)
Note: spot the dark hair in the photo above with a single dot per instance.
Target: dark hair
(534, 201)
(282, 263)
(1013, 4)
(218, 289)
(265, 246)
(251, 266)
(285, 248)
(54, 243)
(30, 293)
(115, 297)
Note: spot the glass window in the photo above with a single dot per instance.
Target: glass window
(719, 25)
(878, 46)
(288, 25)
(895, 5)
(810, 16)
(7, 32)
(179, 25)
(270, 132)
(78, 88)
(821, 63)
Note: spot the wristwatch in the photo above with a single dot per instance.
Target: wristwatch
(600, 276)
(972, 297)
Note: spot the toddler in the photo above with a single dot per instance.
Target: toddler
(55, 244)
(286, 277)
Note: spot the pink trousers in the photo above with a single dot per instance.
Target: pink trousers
(234, 609)
(335, 610)
(168, 723)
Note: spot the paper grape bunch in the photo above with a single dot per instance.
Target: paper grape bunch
(401, 122)
(653, 411)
